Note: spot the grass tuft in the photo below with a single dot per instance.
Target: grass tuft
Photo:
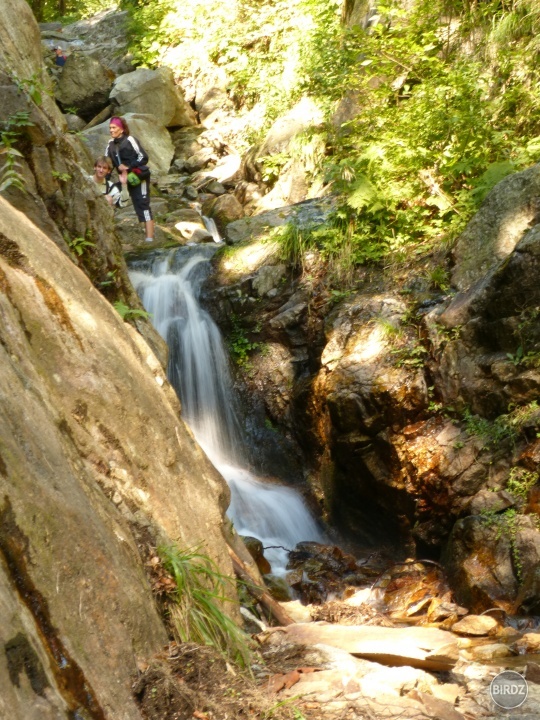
(197, 604)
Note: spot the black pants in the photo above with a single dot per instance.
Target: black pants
(140, 197)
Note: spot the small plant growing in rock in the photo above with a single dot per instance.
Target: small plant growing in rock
(10, 131)
(506, 525)
(80, 244)
(410, 356)
(110, 278)
(31, 86)
(127, 313)
(240, 346)
(439, 278)
(389, 329)
(62, 176)
(520, 481)
(491, 432)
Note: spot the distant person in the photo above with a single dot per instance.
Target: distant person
(60, 58)
(116, 193)
(128, 155)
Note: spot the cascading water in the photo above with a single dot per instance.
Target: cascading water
(169, 286)
(210, 225)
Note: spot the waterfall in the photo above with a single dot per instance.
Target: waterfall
(169, 286)
(210, 225)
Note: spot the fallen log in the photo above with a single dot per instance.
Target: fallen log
(260, 594)
(99, 118)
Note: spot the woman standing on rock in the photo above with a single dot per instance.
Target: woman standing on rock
(127, 154)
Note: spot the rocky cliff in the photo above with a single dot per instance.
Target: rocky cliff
(96, 464)
(415, 408)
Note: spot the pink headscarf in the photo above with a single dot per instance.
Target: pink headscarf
(116, 121)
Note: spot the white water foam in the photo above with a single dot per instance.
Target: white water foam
(210, 225)
(199, 371)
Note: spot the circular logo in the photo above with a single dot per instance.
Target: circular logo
(509, 689)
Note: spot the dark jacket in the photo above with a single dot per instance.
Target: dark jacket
(126, 150)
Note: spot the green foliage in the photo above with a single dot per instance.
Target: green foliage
(445, 94)
(507, 526)
(272, 166)
(293, 243)
(80, 244)
(32, 86)
(127, 313)
(439, 278)
(410, 356)
(110, 279)
(433, 133)
(341, 243)
(389, 330)
(67, 10)
(62, 176)
(528, 350)
(520, 481)
(263, 58)
(516, 357)
(240, 346)
(493, 433)
(198, 601)
(278, 706)
(11, 130)
(505, 427)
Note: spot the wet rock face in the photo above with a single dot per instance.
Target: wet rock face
(495, 560)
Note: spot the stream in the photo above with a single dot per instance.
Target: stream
(169, 283)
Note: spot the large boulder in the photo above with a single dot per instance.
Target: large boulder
(493, 561)
(154, 138)
(152, 91)
(296, 180)
(20, 38)
(103, 36)
(489, 361)
(224, 210)
(84, 84)
(213, 105)
(303, 214)
(306, 113)
(89, 468)
(493, 233)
